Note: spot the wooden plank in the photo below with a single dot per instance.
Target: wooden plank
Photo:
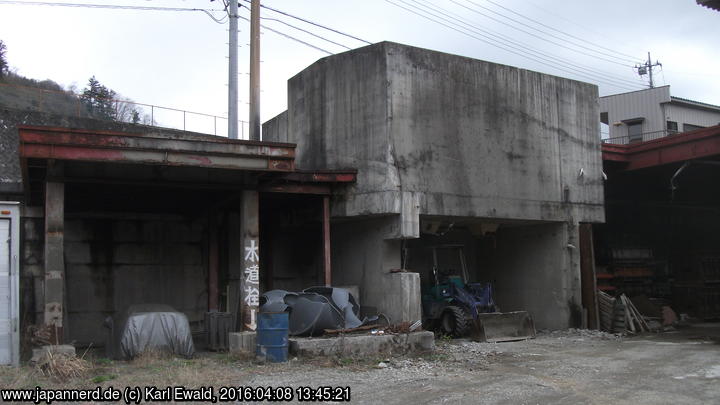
(588, 279)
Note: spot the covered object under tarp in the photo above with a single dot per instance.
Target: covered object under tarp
(148, 327)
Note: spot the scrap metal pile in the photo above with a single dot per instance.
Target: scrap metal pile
(316, 310)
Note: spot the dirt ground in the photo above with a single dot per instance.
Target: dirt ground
(565, 367)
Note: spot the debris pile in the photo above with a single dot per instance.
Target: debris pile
(621, 315)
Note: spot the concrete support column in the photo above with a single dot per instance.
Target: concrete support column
(54, 296)
(326, 241)
(213, 263)
(250, 248)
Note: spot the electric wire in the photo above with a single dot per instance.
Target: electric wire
(560, 31)
(538, 36)
(514, 44)
(221, 20)
(305, 31)
(570, 21)
(108, 6)
(313, 23)
(290, 37)
(490, 41)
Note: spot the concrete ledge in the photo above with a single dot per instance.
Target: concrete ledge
(242, 342)
(41, 354)
(363, 345)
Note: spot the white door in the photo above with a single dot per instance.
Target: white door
(6, 307)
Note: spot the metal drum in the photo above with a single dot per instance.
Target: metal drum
(272, 336)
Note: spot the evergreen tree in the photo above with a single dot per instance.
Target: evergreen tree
(99, 100)
(4, 67)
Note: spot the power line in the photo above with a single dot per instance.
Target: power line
(537, 36)
(525, 48)
(306, 31)
(557, 30)
(291, 37)
(490, 42)
(313, 23)
(115, 7)
(109, 6)
(490, 39)
(570, 21)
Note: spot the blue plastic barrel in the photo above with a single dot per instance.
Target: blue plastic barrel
(272, 336)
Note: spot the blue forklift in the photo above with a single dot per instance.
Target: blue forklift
(455, 307)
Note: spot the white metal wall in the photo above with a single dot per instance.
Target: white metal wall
(687, 115)
(638, 104)
(656, 107)
(9, 299)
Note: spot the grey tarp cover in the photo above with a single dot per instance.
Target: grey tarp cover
(149, 326)
(313, 310)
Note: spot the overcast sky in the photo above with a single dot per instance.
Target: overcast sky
(179, 59)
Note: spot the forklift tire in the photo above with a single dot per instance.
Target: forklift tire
(453, 322)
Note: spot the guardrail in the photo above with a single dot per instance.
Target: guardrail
(62, 102)
(644, 137)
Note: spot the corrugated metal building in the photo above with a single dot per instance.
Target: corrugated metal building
(653, 113)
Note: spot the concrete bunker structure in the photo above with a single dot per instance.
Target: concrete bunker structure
(384, 151)
(449, 149)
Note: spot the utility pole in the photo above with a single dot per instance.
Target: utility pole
(233, 72)
(254, 70)
(647, 68)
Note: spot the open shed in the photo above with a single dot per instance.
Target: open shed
(115, 218)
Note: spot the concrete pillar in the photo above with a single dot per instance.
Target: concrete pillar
(326, 241)
(213, 263)
(250, 248)
(54, 256)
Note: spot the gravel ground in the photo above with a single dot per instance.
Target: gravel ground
(565, 367)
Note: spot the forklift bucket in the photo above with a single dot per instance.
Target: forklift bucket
(503, 327)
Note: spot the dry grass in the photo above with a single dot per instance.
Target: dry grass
(62, 367)
(162, 370)
(150, 357)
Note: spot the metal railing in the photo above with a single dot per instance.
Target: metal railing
(643, 137)
(67, 103)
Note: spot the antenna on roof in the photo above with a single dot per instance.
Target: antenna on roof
(647, 69)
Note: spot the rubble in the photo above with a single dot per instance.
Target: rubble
(582, 333)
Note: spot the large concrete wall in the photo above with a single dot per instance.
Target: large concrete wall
(113, 262)
(438, 134)
(534, 269)
(363, 255)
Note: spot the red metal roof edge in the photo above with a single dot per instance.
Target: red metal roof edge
(193, 137)
(678, 139)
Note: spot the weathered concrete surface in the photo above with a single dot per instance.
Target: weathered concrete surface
(242, 342)
(276, 128)
(363, 345)
(451, 138)
(362, 256)
(439, 134)
(41, 354)
(536, 269)
(105, 261)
